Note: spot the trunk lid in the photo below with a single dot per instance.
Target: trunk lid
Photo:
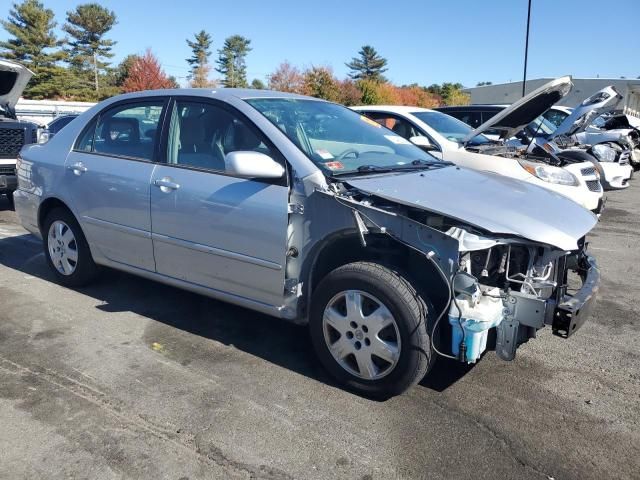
(13, 80)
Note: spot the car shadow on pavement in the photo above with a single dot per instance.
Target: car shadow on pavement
(277, 341)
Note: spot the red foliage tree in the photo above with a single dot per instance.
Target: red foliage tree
(146, 73)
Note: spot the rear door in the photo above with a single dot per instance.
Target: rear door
(210, 228)
(108, 175)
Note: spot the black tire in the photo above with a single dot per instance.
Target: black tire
(10, 199)
(85, 269)
(409, 311)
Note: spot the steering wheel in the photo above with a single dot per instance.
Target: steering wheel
(347, 152)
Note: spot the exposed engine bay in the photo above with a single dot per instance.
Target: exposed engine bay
(502, 288)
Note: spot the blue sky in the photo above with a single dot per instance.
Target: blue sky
(425, 42)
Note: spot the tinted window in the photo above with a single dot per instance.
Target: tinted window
(126, 130)
(58, 123)
(472, 119)
(201, 134)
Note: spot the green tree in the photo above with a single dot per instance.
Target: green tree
(34, 44)
(258, 84)
(369, 65)
(121, 72)
(320, 82)
(88, 48)
(199, 60)
(231, 61)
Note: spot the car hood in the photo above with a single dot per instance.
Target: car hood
(581, 117)
(517, 116)
(13, 80)
(498, 204)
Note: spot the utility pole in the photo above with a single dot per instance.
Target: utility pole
(526, 50)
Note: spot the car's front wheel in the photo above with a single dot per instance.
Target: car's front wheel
(369, 328)
(67, 250)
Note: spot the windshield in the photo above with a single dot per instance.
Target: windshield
(339, 140)
(541, 127)
(449, 127)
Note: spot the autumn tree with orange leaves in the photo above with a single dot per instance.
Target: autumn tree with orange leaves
(145, 73)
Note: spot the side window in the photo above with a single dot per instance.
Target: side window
(472, 119)
(201, 134)
(126, 130)
(398, 125)
(85, 142)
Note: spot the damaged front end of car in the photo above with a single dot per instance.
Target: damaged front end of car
(499, 288)
(516, 287)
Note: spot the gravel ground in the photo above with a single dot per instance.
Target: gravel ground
(132, 379)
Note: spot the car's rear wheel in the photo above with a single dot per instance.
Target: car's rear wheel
(369, 328)
(67, 250)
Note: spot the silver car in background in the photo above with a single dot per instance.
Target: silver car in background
(305, 210)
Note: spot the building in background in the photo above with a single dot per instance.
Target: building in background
(507, 93)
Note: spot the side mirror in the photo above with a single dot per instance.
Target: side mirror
(423, 143)
(248, 164)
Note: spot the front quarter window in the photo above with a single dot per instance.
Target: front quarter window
(337, 139)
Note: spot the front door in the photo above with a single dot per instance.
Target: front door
(212, 229)
(109, 174)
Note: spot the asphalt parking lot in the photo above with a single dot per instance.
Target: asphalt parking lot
(132, 379)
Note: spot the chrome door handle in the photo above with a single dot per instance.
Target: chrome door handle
(78, 168)
(166, 185)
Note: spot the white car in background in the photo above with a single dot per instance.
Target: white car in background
(582, 127)
(613, 127)
(452, 140)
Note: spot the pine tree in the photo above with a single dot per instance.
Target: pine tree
(231, 61)
(199, 61)
(88, 49)
(34, 44)
(368, 66)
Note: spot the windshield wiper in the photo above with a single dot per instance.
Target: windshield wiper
(419, 164)
(373, 168)
(414, 165)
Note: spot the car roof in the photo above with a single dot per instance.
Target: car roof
(401, 109)
(488, 107)
(221, 93)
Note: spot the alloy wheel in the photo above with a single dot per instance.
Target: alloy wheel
(63, 248)
(361, 334)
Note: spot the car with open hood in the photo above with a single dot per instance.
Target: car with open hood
(305, 210)
(541, 139)
(611, 128)
(452, 140)
(576, 135)
(14, 133)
